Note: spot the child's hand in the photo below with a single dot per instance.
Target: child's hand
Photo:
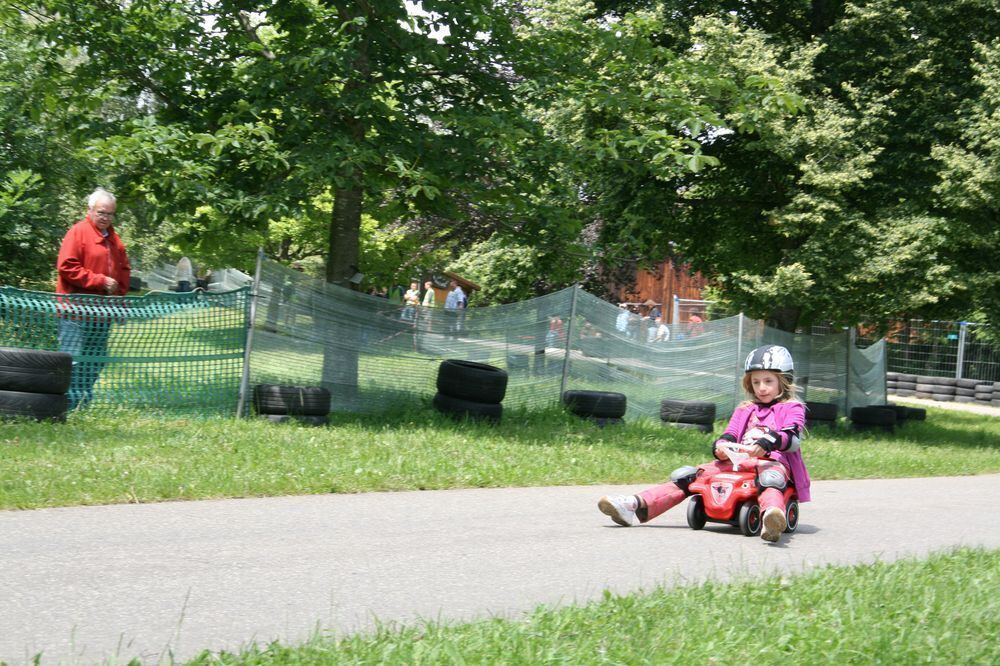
(756, 451)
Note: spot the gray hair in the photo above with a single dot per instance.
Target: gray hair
(99, 194)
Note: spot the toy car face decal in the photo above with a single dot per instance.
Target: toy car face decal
(720, 491)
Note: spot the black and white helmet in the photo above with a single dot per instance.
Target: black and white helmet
(770, 357)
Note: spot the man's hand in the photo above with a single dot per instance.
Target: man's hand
(110, 285)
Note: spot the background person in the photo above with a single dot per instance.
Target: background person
(92, 260)
(455, 304)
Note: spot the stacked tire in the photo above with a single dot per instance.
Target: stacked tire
(602, 407)
(874, 417)
(941, 389)
(470, 390)
(688, 414)
(821, 414)
(988, 393)
(281, 403)
(33, 383)
(901, 384)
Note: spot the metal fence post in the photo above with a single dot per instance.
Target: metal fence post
(739, 360)
(963, 327)
(245, 379)
(852, 335)
(569, 340)
(675, 317)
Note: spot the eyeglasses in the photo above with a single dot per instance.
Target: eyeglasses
(104, 213)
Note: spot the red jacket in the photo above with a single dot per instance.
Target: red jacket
(86, 258)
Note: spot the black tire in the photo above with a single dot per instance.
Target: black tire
(466, 409)
(965, 392)
(984, 397)
(940, 381)
(892, 376)
(967, 383)
(922, 395)
(926, 388)
(942, 397)
(891, 386)
(910, 386)
(34, 370)
(906, 378)
(792, 515)
(702, 427)
(604, 404)
(687, 411)
(295, 400)
(696, 516)
(965, 399)
(38, 406)
(821, 411)
(916, 414)
(937, 389)
(472, 381)
(902, 412)
(749, 519)
(874, 415)
(906, 393)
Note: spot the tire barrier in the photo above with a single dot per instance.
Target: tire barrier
(282, 400)
(878, 417)
(470, 390)
(596, 404)
(821, 414)
(467, 409)
(38, 406)
(472, 381)
(33, 383)
(943, 389)
(688, 414)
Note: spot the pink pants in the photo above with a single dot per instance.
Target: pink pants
(667, 495)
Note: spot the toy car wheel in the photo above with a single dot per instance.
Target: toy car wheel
(792, 515)
(750, 519)
(696, 512)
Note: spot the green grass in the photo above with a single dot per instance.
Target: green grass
(125, 456)
(942, 610)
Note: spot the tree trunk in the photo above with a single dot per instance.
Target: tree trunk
(345, 236)
(340, 358)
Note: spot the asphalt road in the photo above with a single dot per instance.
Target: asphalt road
(160, 581)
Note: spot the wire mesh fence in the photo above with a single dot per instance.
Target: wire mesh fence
(941, 349)
(374, 355)
(186, 351)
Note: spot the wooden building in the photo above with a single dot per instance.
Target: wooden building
(660, 285)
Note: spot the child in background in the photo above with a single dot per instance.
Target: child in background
(770, 422)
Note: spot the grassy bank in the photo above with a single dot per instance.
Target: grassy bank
(943, 610)
(135, 457)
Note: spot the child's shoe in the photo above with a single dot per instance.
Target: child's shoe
(774, 524)
(621, 508)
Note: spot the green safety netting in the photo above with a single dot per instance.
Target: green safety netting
(163, 350)
(185, 351)
(375, 355)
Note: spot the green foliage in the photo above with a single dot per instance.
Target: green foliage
(126, 456)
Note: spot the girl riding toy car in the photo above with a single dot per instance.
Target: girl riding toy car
(731, 497)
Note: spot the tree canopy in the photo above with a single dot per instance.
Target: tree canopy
(819, 160)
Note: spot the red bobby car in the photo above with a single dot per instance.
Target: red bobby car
(731, 498)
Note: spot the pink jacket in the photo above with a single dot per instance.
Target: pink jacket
(776, 416)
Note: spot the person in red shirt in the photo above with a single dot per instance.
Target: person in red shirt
(92, 260)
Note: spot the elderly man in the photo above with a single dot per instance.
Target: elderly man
(92, 260)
